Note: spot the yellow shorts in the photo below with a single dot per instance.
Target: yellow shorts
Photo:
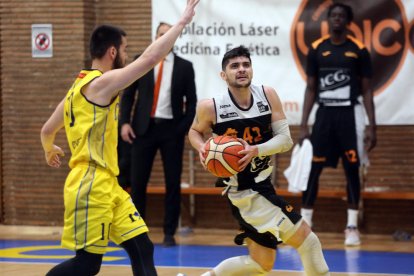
(97, 209)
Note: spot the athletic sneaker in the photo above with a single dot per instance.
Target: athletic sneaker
(352, 236)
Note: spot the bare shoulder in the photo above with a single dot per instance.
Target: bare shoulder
(92, 91)
(206, 104)
(275, 103)
(271, 93)
(206, 110)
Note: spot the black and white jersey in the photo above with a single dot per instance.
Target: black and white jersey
(338, 70)
(252, 124)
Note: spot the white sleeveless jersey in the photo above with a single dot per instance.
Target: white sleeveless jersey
(252, 124)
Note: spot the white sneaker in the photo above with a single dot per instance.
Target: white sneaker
(352, 236)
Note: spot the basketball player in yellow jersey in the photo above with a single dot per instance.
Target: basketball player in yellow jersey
(96, 207)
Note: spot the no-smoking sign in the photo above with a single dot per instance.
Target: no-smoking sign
(42, 40)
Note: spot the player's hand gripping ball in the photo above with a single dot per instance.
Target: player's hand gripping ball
(222, 157)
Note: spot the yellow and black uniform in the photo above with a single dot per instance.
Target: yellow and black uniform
(96, 207)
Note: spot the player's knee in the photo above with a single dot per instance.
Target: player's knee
(139, 247)
(146, 244)
(88, 263)
(311, 254)
(267, 266)
(298, 234)
(94, 268)
(261, 266)
(311, 241)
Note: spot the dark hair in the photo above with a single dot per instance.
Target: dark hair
(240, 51)
(104, 37)
(162, 24)
(346, 8)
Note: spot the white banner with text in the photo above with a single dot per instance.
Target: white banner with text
(278, 34)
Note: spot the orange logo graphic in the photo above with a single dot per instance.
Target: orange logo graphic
(81, 75)
(351, 156)
(231, 132)
(326, 53)
(318, 159)
(351, 54)
(381, 25)
(289, 208)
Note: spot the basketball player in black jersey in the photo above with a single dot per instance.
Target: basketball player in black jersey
(255, 114)
(338, 72)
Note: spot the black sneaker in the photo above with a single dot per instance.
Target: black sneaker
(169, 241)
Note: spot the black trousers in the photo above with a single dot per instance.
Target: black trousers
(124, 163)
(162, 135)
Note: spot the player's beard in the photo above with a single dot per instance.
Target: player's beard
(237, 85)
(118, 62)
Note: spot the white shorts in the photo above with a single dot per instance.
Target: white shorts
(265, 217)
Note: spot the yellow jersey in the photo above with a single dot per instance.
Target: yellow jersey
(91, 129)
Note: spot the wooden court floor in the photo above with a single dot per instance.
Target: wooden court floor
(210, 237)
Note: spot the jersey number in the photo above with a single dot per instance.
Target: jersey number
(252, 134)
(351, 156)
(103, 231)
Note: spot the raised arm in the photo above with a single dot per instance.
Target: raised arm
(115, 80)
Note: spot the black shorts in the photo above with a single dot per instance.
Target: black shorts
(334, 135)
(263, 216)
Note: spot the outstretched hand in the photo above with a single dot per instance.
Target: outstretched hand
(53, 156)
(189, 11)
(249, 152)
(202, 152)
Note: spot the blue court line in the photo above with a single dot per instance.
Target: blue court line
(351, 261)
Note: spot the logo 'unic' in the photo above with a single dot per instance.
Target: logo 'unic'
(381, 25)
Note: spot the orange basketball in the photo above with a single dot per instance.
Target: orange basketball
(222, 157)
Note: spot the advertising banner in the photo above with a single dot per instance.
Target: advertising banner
(279, 33)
